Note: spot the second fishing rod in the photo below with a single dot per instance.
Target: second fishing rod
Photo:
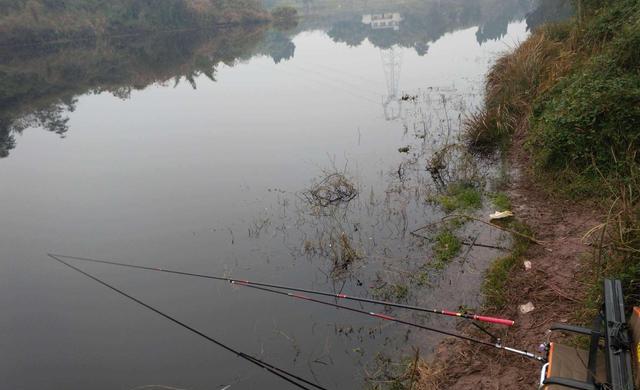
(272, 289)
(467, 316)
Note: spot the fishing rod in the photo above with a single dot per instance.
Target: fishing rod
(263, 287)
(497, 344)
(283, 374)
(468, 316)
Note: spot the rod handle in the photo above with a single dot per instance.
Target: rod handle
(494, 320)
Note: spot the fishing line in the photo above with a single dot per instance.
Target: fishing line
(283, 374)
(369, 313)
(336, 80)
(264, 287)
(496, 344)
(345, 73)
(324, 83)
(468, 316)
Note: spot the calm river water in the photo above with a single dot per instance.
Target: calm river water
(197, 152)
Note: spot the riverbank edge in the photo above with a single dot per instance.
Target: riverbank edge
(564, 107)
(561, 206)
(554, 285)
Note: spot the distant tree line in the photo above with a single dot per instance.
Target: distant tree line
(31, 21)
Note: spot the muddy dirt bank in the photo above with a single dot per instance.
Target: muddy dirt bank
(553, 285)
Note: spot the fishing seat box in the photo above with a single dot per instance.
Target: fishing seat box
(571, 363)
(607, 362)
(634, 328)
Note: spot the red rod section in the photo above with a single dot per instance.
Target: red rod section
(469, 316)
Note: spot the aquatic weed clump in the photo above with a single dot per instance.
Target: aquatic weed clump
(453, 163)
(391, 292)
(284, 17)
(343, 254)
(461, 196)
(333, 189)
(446, 247)
(395, 373)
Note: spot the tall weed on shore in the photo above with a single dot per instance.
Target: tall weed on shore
(511, 86)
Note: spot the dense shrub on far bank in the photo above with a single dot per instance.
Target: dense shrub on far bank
(34, 21)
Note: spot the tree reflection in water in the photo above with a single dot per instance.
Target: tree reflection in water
(39, 84)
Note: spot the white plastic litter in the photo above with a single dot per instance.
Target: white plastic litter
(501, 214)
(526, 308)
(527, 265)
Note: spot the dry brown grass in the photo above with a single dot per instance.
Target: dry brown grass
(429, 375)
(513, 84)
(616, 240)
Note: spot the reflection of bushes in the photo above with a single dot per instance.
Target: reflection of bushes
(278, 46)
(38, 86)
(426, 22)
(285, 17)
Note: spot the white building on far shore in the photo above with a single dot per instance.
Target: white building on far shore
(383, 21)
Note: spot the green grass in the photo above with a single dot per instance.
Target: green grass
(446, 247)
(461, 196)
(393, 373)
(421, 278)
(501, 201)
(496, 277)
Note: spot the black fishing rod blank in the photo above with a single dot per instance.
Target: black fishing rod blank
(293, 379)
(497, 344)
(468, 316)
(269, 288)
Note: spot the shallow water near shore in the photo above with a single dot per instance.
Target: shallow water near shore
(198, 152)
